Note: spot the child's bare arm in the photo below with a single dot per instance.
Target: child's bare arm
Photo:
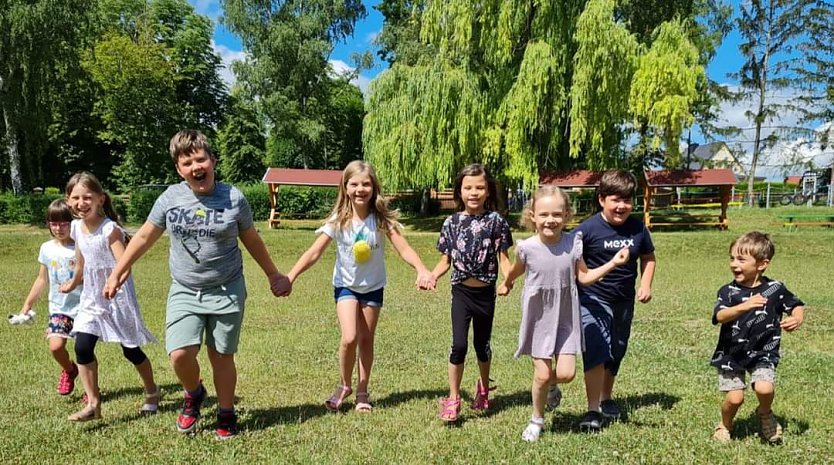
(37, 289)
(516, 270)
(586, 276)
(77, 275)
(425, 280)
(147, 235)
(443, 265)
(794, 320)
(728, 314)
(504, 262)
(309, 257)
(647, 267)
(278, 283)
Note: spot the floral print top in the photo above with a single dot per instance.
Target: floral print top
(473, 243)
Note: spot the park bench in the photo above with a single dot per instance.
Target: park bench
(682, 218)
(792, 221)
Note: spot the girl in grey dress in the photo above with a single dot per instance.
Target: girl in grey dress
(550, 327)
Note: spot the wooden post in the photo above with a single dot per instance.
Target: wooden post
(647, 201)
(274, 220)
(726, 192)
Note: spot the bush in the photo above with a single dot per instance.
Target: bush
(300, 201)
(408, 203)
(258, 197)
(25, 209)
(140, 203)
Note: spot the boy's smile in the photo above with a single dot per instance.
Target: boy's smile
(746, 269)
(197, 169)
(616, 209)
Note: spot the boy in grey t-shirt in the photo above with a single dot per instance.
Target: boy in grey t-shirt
(204, 220)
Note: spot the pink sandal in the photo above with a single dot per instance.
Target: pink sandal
(449, 410)
(481, 402)
(334, 403)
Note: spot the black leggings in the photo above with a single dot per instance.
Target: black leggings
(85, 350)
(475, 304)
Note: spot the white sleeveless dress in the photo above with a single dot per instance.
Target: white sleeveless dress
(116, 320)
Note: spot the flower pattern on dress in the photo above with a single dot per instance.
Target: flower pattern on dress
(473, 243)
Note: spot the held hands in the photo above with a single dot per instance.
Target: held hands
(111, 287)
(504, 288)
(280, 285)
(67, 287)
(426, 281)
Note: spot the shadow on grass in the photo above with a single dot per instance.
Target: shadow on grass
(565, 422)
(745, 427)
(112, 417)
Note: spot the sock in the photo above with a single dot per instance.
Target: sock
(538, 421)
(197, 392)
(225, 411)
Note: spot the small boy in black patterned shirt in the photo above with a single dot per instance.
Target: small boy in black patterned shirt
(750, 310)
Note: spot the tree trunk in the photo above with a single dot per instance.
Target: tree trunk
(14, 154)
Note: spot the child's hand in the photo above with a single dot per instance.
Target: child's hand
(644, 294)
(794, 321)
(622, 257)
(504, 288)
(426, 281)
(66, 287)
(280, 285)
(755, 301)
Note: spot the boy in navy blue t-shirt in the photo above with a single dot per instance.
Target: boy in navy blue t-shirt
(607, 307)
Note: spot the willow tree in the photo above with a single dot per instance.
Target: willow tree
(664, 88)
(492, 88)
(604, 66)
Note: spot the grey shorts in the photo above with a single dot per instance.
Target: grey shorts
(217, 312)
(730, 380)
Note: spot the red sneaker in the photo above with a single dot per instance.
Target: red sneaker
(226, 426)
(66, 382)
(190, 413)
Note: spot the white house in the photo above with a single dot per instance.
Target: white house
(713, 155)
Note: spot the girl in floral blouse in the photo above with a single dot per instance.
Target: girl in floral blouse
(472, 242)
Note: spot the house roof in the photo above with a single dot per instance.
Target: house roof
(707, 151)
(671, 178)
(300, 177)
(793, 179)
(576, 178)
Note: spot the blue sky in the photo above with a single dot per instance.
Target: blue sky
(727, 60)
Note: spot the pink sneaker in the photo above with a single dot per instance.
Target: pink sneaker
(66, 382)
(481, 401)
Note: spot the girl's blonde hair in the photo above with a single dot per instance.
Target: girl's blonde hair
(89, 181)
(343, 210)
(547, 190)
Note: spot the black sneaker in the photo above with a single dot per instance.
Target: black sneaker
(591, 422)
(226, 426)
(610, 410)
(190, 413)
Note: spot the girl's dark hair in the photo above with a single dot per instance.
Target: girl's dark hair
(476, 169)
(58, 210)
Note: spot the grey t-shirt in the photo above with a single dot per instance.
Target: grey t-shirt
(204, 231)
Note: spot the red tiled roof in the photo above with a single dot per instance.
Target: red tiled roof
(793, 179)
(719, 177)
(576, 178)
(298, 177)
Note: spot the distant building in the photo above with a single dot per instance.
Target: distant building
(713, 155)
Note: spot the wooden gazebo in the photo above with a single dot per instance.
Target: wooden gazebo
(276, 177)
(723, 179)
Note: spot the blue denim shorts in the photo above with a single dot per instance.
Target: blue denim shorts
(367, 299)
(606, 328)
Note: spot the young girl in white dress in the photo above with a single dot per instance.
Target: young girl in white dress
(550, 326)
(100, 241)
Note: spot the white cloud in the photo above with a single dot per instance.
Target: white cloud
(227, 56)
(362, 82)
(371, 37)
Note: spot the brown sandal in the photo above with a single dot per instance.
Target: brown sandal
(86, 414)
(771, 430)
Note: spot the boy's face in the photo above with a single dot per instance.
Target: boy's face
(616, 209)
(197, 169)
(746, 269)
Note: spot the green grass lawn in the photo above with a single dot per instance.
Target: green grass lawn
(288, 365)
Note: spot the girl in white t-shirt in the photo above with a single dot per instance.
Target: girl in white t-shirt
(57, 265)
(360, 223)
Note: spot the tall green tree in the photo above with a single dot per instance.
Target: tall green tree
(241, 142)
(769, 30)
(288, 44)
(37, 39)
(399, 39)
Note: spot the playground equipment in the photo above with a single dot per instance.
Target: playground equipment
(813, 186)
